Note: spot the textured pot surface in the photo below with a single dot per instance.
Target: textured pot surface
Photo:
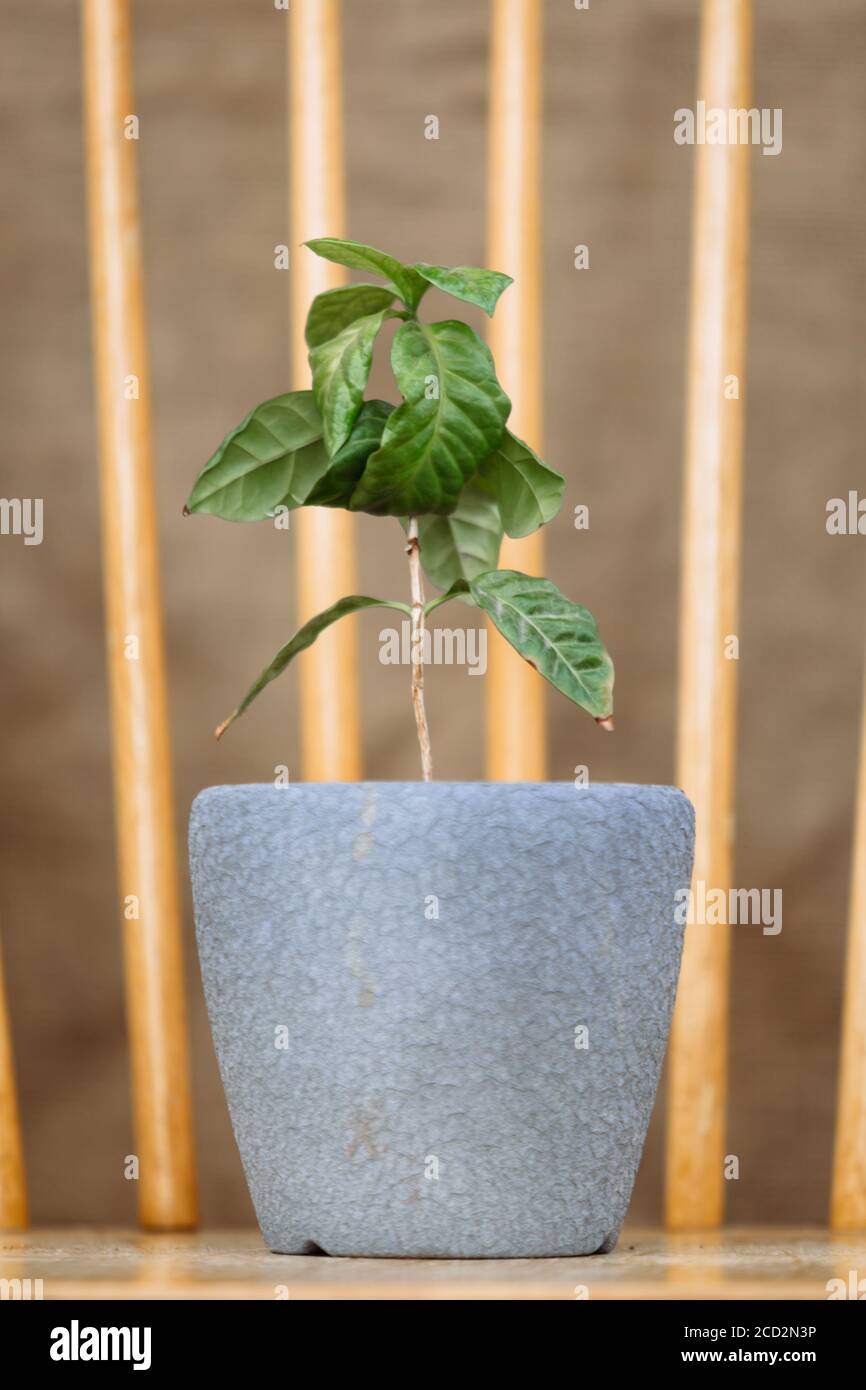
(440, 1010)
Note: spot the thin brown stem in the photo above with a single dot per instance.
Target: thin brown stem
(413, 550)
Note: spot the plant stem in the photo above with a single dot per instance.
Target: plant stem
(413, 550)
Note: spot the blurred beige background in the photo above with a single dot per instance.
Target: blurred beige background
(211, 98)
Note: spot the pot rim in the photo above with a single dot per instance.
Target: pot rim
(447, 782)
(592, 790)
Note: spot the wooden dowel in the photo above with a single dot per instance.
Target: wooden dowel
(144, 805)
(848, 1204)
(516, 743)
(13, 1192)
(697, 1094)
(325, 537)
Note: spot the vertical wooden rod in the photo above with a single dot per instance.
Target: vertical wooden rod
(848, 1204)
(13, 1192)
(516, 745)
(706, 734)
(149, 894)
(325, 537)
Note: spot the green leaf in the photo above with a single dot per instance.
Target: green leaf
(303, 638)
(341, 367)
(274, 457)
(409, 285)
(451, 419)
(528, 492)
(467, 282)
(335, 487)
(464, 544)
(333, 310)
(559, 638)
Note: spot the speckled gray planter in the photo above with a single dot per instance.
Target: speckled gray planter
(473, 1083)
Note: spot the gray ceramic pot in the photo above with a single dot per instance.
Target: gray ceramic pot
(440, 1010)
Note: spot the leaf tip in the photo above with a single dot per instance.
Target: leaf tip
(508, 281)
(221, 728)
(606, 723)
(186, 510)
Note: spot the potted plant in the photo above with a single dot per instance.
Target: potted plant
(439, 1009)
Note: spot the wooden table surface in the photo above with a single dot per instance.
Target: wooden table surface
(734, 1264)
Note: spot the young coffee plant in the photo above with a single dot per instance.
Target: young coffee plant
(442, 461)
